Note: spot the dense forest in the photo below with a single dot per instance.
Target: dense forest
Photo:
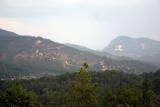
(83, 89)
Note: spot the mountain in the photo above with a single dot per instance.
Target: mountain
(81, 48)
(42, 55)
(26, 55)
(98, 53)
(142, 49)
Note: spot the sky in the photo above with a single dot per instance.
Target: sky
(91, 23)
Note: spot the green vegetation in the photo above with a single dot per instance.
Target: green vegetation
(82, 93)
(17, 96)
(83, 89)
(26, 55)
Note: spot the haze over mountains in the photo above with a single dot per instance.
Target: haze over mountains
(35, 55)
(143, 49)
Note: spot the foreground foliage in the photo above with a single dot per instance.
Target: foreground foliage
(84, 89)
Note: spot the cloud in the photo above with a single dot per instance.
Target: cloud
(79, 21)
(70, 1)
(65, 29)
(115, 3)
(19, 26)
(55, 3)
(30, 8)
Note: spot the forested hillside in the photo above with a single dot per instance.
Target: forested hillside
(26, 55)
(79, 53)
(84, 89)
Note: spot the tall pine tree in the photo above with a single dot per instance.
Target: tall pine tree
(82, 91)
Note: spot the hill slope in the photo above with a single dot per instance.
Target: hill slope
(138, 48)
(36, 55)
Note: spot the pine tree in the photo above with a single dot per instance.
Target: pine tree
(17, 96)
(82, 91)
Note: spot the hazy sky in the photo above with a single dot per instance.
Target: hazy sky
(92, 23)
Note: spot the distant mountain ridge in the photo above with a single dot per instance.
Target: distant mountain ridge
(98, 53)
(82, 48)
(7, 33)
(143, 49)
(35, 55)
